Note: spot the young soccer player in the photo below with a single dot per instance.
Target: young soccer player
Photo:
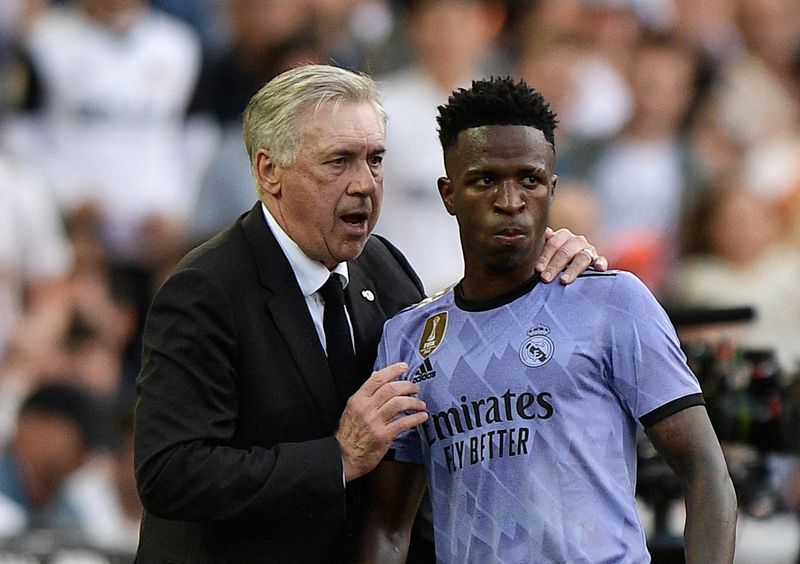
(535, 392)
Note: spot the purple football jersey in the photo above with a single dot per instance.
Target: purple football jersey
(535, 399)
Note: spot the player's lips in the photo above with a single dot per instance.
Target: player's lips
(510, 234)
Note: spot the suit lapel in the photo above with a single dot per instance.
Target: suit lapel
(367, 317)
(287, 307)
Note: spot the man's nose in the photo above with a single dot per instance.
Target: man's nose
(508, 198)
(364, 180)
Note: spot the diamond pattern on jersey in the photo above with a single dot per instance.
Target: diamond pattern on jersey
(537, 463)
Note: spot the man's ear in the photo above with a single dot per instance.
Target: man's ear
(268, 173)
(446, 192)
(553, 186)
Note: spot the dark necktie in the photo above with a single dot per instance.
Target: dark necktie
(341, 359)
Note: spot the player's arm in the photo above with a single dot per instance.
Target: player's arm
(393, 494)
(688, 443)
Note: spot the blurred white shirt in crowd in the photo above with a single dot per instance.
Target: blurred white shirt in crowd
(110, 130)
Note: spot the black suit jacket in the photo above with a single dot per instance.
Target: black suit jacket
(235, 455)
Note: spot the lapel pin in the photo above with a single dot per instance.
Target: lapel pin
(368, 295)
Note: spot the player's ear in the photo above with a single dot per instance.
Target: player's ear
(446, 192)
(267, 173)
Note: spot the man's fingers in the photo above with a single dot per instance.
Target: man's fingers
(600, 263)
(406, 422)
(369, 425)
(584, 259)
(398, 405)
(568, 254)
(394, 389)
(382, 376)
(579, 263)
(379, 401)
(553, 240)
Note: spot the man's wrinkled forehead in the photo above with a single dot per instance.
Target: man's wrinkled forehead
(317, 116)
(333, 106)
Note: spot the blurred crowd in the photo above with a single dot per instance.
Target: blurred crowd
(120, 149)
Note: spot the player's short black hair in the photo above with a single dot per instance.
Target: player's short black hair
(496, 101)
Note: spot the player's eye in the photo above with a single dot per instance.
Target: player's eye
(533, 180)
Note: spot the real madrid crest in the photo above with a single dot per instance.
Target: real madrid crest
(432, 333)
(538, 348)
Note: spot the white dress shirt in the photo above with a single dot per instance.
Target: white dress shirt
(310, 274)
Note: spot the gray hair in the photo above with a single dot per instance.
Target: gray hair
(273, 118)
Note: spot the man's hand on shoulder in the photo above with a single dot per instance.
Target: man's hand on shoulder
(568, 254)
(374, 416)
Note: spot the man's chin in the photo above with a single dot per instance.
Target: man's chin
(350, 250)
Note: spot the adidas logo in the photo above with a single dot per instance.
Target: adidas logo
(424, 372)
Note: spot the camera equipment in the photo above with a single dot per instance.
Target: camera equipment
(752, 405)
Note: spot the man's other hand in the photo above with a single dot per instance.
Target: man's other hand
(374, 416)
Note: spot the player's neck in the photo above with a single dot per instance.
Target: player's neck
(487, 284)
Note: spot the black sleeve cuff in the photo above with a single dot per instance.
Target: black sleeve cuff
(660, 413)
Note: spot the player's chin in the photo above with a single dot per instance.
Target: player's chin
(509, 259)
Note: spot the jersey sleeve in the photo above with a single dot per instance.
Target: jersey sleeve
(648, 367)
(407, 447)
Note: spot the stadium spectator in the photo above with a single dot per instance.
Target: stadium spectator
(36, 263)
(606, 33)
(645, 178)
(738, 256)
(104, 492)
(112, 80)
(267, 37)
(54, 433)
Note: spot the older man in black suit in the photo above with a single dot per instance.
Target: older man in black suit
(256, 416)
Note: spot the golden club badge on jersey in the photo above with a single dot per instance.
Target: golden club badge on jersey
(432, 333)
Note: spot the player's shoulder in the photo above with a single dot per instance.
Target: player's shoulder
(438, 301)
(614, 276)
(602, 274)
(615, 284)
(592, 280)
